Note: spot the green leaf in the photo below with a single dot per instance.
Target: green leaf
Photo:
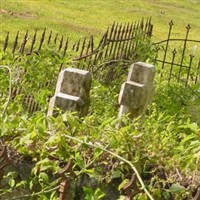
(89, 193)
(33, 135)
(21, 183)
(177, 188)
(89, 171)
(53, 195)
(11, 183)
(107, 121)
(46, 164)
(116, 173)
(123, 183)
(31, 185)
(121, 198)
(192, 126)
(99, 194)
(44, 177)
(188, 138)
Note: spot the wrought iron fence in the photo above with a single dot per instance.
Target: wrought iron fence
(117, 43)
(179, 58)
(28, 43)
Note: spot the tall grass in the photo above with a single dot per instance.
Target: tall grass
(84, 17)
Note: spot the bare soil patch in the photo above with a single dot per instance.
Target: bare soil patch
(24, 15)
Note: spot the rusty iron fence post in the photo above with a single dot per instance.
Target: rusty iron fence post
(4, 159)
(131, 189)
(197, 195)
(65, 184)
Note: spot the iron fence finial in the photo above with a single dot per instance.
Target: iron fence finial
(188, 27)
(171, 23)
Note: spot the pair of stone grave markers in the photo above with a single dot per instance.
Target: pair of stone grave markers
(73, 87)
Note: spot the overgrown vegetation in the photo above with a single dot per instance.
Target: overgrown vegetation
(164, 146)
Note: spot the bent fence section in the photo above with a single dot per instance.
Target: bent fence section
(178, 58)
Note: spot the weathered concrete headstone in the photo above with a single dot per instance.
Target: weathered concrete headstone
(137, 91)
(74, 82)
(72, 92)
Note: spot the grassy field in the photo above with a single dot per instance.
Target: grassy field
(79, 18)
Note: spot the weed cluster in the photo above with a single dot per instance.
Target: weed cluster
(163, 149)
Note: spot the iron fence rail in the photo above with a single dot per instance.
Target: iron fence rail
(169, 57)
